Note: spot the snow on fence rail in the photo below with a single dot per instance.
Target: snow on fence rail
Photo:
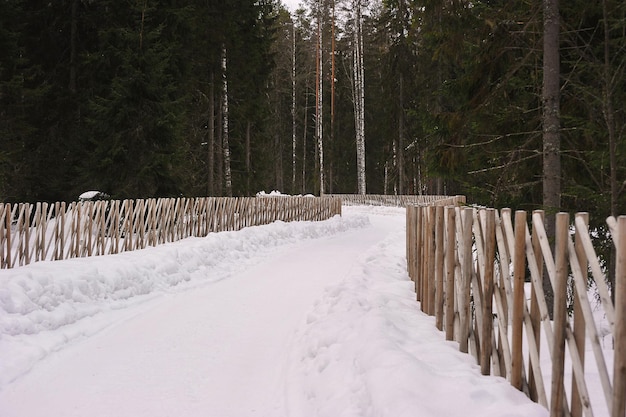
(389, 200)
(469, 267)
(42, 231)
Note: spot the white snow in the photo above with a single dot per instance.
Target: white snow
(289, 319)
(88, 195)
(292, 5)
(276, 193)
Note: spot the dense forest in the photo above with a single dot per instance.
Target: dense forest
(149, 98)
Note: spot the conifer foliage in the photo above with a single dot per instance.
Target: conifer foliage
(143, 98)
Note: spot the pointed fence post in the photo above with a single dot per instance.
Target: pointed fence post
(7, 230)
(535, 315)
(466, 278)
(439, 266)
(619, 364)
(487, 325)
(579, 319)
(519, 272)
(450, 255)
(560, 314)
(431, 259)
(419, 224)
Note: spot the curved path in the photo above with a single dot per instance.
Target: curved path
(318, 327)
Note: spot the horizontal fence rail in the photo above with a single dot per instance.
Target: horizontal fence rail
(42, 231)
(396, 200)
(470, 265)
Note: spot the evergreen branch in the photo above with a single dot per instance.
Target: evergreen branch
(498, 167)
(495, 139)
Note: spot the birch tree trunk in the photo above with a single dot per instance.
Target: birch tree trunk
(225, 145)
(319, 100)
(331, 179)
(248, 157)
(401, 186)
(218, 184)
(359, 96)
(211, 144)
(293, 109)
(304, 133)
(278, 162)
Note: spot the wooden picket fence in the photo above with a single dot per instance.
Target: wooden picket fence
(470, 265)
(42, 231)
(390, 200)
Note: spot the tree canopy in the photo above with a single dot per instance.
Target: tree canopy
(128, 97)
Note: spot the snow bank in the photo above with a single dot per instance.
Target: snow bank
(367, 350)
(276, 193)
(45, 305)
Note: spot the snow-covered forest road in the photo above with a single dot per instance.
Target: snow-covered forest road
(301, 319)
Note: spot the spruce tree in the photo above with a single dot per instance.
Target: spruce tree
(135, 112)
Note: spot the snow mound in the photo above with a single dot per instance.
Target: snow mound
(45, 305)
(276, 193)
(367, 350)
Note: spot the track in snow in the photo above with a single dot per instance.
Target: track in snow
(315, 326)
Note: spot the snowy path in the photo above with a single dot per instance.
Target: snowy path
(310, 324)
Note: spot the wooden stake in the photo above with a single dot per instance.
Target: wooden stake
(418, 252)
(466, 278)
(535, 316)
(560, 315)
(439, 267)
(619, 364)
(450, 255)
(519, 272)
(487, 325)
(579, 319)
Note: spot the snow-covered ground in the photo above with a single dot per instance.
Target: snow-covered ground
(299, 319)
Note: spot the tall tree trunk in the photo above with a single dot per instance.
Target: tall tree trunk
(143, 20)
(293, 109)
(608, 110)
(332, 94)
(211, 144)
(609, 119)
(359, 96)
(219, 154)
(225, 141)
(318, 98)
(401, 134)
(394, 156)
(550, 97)
(386, 178)
(248, 157)
(551, 109)
(278, 162)
(73, 40)
(304, 134)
